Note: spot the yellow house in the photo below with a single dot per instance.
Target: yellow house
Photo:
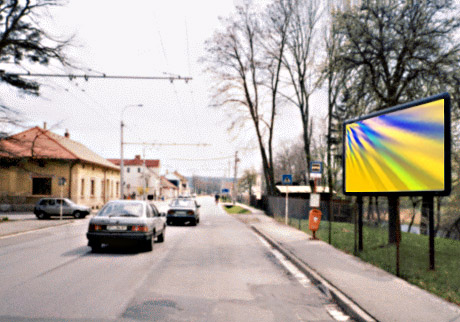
(39, 163)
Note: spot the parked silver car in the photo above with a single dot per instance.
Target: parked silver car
(127, 222)
(47, 207)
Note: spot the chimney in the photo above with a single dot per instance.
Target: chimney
(44, 125)
(138, 157)
(66, 134)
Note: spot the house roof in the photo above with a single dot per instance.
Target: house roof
(302, 189)
(165, 183)
(44, 144)
(179, 176)
(137, 161)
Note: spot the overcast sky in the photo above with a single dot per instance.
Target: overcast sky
(144, 38)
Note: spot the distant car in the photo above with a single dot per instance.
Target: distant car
(47, 207)
(183, 210)
(127, 222)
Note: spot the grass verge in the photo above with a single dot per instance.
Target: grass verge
(414, 255)
(235, 209)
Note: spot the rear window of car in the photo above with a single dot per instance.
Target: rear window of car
(182, 203)
(122, 209)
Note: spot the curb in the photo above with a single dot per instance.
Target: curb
(345, 303)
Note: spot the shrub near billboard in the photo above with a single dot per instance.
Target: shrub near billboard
(403, 150)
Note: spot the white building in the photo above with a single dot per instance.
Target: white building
(142, 178)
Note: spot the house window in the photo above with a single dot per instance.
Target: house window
(127, 170)
(138, 170)
(118, 189)
(41, 186)
(102, 188)
(92, 187)
(82, 187)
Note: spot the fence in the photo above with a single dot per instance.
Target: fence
(299, 209)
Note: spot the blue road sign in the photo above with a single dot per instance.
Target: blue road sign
(287, 179)
(225, 191)
(316, 167)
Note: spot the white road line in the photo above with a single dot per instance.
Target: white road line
(332, 309)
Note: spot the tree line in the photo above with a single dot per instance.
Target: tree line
(367, 57)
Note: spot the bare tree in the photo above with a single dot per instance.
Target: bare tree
(242, 57)
(23, 42)
(300, 64)
(290, 159)
(248, 180)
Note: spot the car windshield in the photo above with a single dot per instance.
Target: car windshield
(122, 209)
(70, 202)
(182, 203)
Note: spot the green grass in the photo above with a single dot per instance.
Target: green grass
(414, 255)
(4, 219)
(236, 210)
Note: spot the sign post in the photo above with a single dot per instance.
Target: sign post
(287, 180)
(61, 183)
(314, 218)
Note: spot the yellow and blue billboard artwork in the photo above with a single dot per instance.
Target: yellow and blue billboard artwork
(401, 151)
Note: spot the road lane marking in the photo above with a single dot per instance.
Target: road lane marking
(332, 309)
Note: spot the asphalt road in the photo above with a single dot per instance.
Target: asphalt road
(216, 271)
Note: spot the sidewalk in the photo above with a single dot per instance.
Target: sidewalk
(364, 291)
(20, 222)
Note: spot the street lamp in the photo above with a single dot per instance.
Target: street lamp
(122, 163)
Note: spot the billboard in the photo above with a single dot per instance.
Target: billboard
(403, 150)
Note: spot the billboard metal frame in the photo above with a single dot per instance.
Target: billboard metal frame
(447, 148)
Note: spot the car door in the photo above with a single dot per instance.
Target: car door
(52, 208)
(150, 217)
(66, 207)
(157, 219)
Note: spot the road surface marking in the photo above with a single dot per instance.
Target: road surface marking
(332, 309)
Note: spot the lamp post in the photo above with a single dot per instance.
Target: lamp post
(122, 163)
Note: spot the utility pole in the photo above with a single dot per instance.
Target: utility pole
(235, 190)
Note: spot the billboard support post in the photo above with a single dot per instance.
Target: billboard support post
(428, 210)
(359, 201)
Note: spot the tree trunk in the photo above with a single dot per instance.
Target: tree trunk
(377, 210)
(424, 223)
(370, 209)
(414, 205)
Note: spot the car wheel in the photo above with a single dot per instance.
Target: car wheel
(161, 237)
(193, 222)
(198, 220)
(95, 247)
(149, 244)
(41, 215)
(78, 215)
(169, 223)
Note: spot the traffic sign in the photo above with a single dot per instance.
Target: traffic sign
(225, 191)
(287, 179)
(316, 167)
